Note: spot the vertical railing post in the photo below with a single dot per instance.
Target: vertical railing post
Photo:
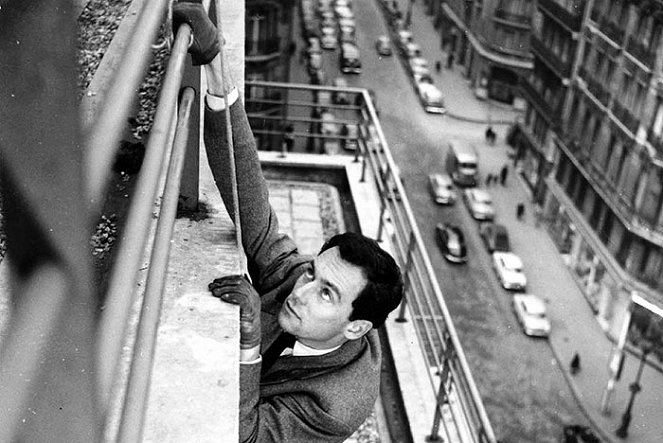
(406, 277)
(441, 399)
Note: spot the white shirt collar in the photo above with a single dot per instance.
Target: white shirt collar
(301, 350)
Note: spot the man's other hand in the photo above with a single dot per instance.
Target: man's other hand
(237, 289)
(205, 44)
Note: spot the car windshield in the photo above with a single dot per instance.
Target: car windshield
(512, 265)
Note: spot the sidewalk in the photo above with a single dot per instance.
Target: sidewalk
(574, 325)
(460, 101)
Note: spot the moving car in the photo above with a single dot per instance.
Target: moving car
(530, 311)
(479, 203)
(383, 45)
(509, 270)
(350, 62)
(495, 237)
(430, 97)
(442, 188)
(462, 163)
(451, 241)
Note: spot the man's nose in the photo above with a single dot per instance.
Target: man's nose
(299, 295)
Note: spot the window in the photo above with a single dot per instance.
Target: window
(650, 207)
(657, 124)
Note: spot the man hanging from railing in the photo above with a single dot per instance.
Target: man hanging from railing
(324, 308)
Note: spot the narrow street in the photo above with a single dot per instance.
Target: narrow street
(525, 394)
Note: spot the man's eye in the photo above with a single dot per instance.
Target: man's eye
(326, 294)
(310, 274)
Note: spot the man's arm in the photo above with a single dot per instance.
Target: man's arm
(265, 248)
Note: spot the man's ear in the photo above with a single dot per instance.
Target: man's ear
(357, 329)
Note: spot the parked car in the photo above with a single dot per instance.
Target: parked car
(530, 311)
(442, 188)
(411, 50)
(314, 45)
(451, 240)
(344, 12)
(347, 35)
(421, 75)
(479, 203)
(430, 97)
(349, 22)
(351, 131)
(328, 37)
(383, 46)
(404, 37)
(418, 62)
(495, 237)
(330, 127)
(509, 270)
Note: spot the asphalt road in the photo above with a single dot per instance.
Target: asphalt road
(525, 394)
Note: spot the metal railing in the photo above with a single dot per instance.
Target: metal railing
(55, 350)
(54, 337)
(292, 105)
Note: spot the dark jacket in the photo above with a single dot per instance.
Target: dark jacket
(299, 399)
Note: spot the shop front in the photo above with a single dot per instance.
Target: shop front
(606, 296)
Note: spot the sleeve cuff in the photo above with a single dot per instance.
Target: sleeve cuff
(216, 103)
(252, 362)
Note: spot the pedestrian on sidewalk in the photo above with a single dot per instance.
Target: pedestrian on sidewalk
(575, 364)
(489, 179)
(503, 174)
(438, 66)
(450, 60)
(490, 135)
(520, 211)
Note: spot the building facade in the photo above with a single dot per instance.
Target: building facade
(591, 146)
(490, 40)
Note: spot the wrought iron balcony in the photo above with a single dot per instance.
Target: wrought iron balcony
(532, 95)
(573, 19)
(625, 116)
(656, 140)
(638, 50)
(552, 60)
(512, 19)
(597, 89)
(263, 47)
(613, 30)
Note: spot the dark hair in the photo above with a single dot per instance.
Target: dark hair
(384, 290)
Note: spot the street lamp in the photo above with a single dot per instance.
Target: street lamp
(634, 387)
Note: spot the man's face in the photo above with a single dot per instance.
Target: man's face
(317, 311)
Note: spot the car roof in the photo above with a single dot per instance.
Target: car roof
(350, 49)
(430, 89)
(439, 178)
(510, 259)
(383, 38)
(480, 194)
(533, 304)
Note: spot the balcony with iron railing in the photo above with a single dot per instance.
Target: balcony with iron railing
(504, 17)
(550, 58)
(159, 330)
(612, 30)
(642, 53)
(549, 111)
(625, 116)
(656, 140)
(595, 87)
(571, 18)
